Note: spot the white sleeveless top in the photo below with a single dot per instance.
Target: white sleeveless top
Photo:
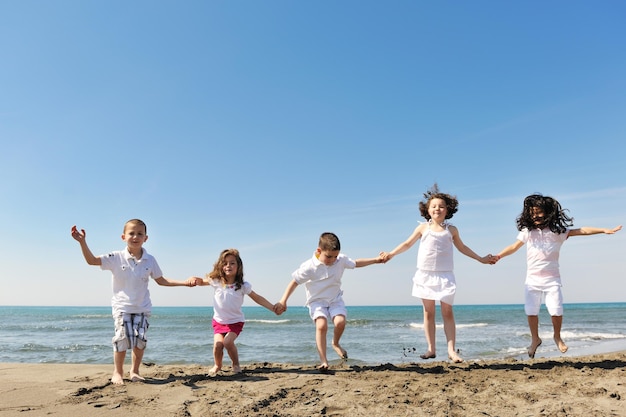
(435, 251)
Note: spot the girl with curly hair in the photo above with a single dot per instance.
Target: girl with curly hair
(434, 279)
(544, 226)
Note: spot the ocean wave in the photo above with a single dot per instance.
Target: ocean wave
(547, 333)
(591, 336)
(269, 321)
(458, 326)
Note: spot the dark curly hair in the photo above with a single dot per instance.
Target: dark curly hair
(554, 218)
(452, 204)
(218, 268)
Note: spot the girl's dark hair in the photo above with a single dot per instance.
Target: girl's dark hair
(218, 268)
(452, 204)
(554, 218)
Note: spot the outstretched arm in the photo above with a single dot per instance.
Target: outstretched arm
(404, 246)
(585, 231)
(369, 261)
(81, 238)
(166, 282)
(262, 301)
(282, 304)
(465, 250)
(510, 249)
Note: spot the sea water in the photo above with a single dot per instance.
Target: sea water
(373, 335)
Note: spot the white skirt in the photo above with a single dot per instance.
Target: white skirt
(434, 285)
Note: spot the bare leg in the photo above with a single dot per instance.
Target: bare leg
(137, 356)
(429, 328)
(231, 348)
(449, 328)
(321, 329)
(557, 321)
(118, 371)
(218, 353)
(533, 325)
(340, 325)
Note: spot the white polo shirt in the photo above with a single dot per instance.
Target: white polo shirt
(130, 280)
(322, 283)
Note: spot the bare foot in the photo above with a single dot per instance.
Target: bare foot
(135, 377)
(560, 344)
(237, 369)
(428, 355)
(323, 368)
(117, 379)
(455, 358)
(343, 354)
(213, 371)
(533, 348)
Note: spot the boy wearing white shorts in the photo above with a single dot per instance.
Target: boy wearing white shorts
(321, 276)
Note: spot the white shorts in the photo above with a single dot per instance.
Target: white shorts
(552, 295)
(328, 309)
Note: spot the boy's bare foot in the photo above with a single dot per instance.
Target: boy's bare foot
(533, 348)
(237, 369)
(117, 379)
(428, 355)
(343, 354)
(455, 358)
(560, 344)
(135, 377)
(323, 367)
(213, 371)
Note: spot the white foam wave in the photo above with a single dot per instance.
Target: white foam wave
(458, 326)
(268, 321)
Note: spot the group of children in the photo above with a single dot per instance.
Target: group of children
(543, 227)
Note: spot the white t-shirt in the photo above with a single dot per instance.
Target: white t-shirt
(542, 256)
(130, 280)
(322, 283)
(227, 302)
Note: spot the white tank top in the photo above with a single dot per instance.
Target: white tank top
(435, 251)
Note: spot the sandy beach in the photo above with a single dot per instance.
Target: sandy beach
(582, 386)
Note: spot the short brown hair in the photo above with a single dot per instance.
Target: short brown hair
(136, 221)
(329, 241)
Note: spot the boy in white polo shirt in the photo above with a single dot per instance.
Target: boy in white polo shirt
(131, 305)
(321, 276)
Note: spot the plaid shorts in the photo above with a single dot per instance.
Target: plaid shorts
(130, 332)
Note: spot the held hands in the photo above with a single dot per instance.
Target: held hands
(380, 259)
(489, 259)
(193, 281)
(279, 308)
(385, 257)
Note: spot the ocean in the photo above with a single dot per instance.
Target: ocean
(374, 334)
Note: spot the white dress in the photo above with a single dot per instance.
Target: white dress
(434, 278)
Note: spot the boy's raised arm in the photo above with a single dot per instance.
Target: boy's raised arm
(80, 237)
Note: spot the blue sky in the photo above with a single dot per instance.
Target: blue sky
(260, 125)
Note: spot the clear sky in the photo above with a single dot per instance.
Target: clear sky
(261, 124)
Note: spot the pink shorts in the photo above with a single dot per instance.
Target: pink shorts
(219, 328)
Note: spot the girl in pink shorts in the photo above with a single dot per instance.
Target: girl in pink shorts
(228, 319)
